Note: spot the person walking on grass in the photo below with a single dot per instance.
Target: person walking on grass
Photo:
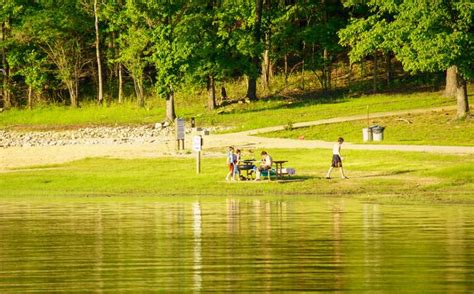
(337, 159)
(231, 162)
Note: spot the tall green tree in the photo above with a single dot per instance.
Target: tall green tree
(63, 31)
(10, 11)
(31, 65)
(214, 55)
(170, 48)
(426, 36)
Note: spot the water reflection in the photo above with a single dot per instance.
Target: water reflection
(197, 246)
(235, 244)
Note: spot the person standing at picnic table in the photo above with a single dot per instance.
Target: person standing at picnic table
(238, 158)
(231, 162)
(266, 164)
(337, 159)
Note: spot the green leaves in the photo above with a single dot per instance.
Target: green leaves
(426, 36)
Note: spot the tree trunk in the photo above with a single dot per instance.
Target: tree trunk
(138, 86)
(251, 88)
(252, 80)
(286, 69)
(7, 103)
(100, 94)
(375, 73)
(72, 93)
(211, 87)
(302, 66)
(223, 93)
(451, 86)
(362, 69)
(170, 113)
(461, 97)
(120, 84)
(349, 76)
(141, 95)
(388, 71)
(30, 97)
(265, 77)
(326, 73)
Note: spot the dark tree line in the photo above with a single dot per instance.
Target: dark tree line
(56, 50)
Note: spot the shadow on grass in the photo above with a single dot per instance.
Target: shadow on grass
(299, 98)
(294, 179)
(386, 174)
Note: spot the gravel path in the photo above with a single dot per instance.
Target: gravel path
(24, 156)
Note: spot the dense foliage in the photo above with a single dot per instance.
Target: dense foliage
(68, 50)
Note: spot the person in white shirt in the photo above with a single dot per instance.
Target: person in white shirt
(267, 162)
(337, 159)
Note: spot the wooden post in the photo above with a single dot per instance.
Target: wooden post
(198, 162)
(197, 146)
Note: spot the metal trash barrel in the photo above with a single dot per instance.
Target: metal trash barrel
(367, 134)
(377, 132)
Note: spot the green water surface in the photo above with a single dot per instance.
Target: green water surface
(235, 244)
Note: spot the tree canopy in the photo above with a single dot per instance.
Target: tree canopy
(57, 49)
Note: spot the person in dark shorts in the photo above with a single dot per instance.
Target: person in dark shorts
(337, 159)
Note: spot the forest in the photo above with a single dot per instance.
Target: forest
(104, 51)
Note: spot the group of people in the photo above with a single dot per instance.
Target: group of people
(234, 159)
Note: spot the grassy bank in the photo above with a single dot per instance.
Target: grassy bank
(276, 109)
(373, 176)
(434, 128)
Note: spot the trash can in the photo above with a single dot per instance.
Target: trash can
(367, 134)
(377, 133)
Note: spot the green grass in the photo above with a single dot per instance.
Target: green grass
(434, 128)
(280, 105)
(373, 176)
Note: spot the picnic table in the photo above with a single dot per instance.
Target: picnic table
(247, 166)
(279, 167)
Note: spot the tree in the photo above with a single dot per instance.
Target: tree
(100, 94)
(133, 45)
(31, 65)
(9, 12)
(64, 42)
(426, 36)
(255, 56)
(214, 56)
(170, 50)
(114, 14)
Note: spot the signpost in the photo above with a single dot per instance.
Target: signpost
(197, 146)
(180, 131)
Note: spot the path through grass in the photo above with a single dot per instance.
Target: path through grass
(432, 128)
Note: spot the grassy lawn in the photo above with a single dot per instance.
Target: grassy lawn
(434, 128)
(266, 112)
(378, 176)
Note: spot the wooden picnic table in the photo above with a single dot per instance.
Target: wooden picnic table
(279, 167)
(248, 167)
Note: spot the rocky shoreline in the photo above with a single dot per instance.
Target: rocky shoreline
(86, 136)
(117, 135)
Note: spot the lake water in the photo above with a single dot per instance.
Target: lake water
(246, 244)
